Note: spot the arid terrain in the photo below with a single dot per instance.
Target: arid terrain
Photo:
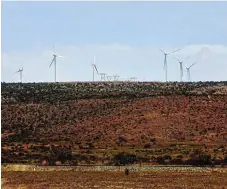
(114, 179)
(99, 123)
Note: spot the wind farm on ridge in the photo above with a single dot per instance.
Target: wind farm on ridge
(108, 78)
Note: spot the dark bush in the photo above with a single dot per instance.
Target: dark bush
(160, 160)
(124, 159)
(121, 139)
(163, 159)
(147, 146)
(60, 154)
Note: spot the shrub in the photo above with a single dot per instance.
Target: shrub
(60, 154)
(124, 158)
(147, 146)
(160, 160)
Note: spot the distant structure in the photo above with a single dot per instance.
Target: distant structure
(94, 69)
(115, 77)
(181, 67)
(109, 78)
(165, 67)
(103, 76)
(188, 71)
(21, 73)
(55, 62)
(132, 79)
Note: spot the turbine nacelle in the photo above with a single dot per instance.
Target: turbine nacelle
(181, 67)
(20, 70)
(56, 55)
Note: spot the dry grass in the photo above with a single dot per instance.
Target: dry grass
(73, 179)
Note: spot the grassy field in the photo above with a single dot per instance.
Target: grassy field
(113, 179)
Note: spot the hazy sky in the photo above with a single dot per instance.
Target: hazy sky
(124, 36)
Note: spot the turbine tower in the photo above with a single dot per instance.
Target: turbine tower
(21, 71)
(55, 63)
(188, 71)
(94, 69)
(181, 67)
(165, 61)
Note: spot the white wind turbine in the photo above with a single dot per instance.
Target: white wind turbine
(165, 61)
(181, 67)
(21, 71)
(94, 69)
(188, 71)
(55, 62)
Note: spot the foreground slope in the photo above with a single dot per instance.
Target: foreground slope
(39, 117)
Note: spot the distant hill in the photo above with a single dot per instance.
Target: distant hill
(37, 117)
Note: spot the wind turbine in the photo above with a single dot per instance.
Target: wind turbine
(55, 62)
(181, 67)
(103, 75)
(165, 60)
(188, 71)
(94, 68)
(21, 71)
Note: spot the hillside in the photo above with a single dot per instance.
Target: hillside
(142, 118)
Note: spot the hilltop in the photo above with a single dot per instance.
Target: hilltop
(146, 119)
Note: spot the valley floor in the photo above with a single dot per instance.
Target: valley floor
(215, 179)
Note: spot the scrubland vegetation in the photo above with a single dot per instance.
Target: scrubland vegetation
(114, 123)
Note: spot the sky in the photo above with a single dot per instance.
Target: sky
(125, 38)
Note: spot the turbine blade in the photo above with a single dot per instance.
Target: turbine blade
(175, 51)
(94, 59)
(60, 56)
(187, 58)
(161, 50)
(93, 65)
(52, 62)
(192, 65)
(96, 69)
(176, 59)
(54, 48)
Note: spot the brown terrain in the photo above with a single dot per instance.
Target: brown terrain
(73, 179)
(181, 121)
